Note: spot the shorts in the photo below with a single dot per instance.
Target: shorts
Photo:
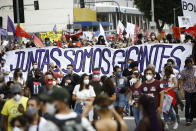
(121, 100)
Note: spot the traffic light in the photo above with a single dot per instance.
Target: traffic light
(36, 5)
(82, 4)
(1, 22)
(21, 11)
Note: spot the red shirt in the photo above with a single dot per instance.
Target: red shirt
(152, 89)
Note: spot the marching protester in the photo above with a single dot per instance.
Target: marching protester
(69, 81)
(187, 82)
(59, 113)
(83, 94)
(121, 87)
(12, 107)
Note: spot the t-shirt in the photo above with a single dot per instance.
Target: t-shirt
(152, 89)
(36, 87)
(135, 93)
(85, 93)
(10, 109)
(97, 87)
(84, 122)
(120, 83)
(42, 125)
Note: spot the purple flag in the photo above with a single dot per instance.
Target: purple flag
(3, 33)
(54, 29)
(10, 26)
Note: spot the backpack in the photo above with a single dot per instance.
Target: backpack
(72, 124)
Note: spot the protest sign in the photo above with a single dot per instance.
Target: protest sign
(51, 35)
(184, 21)
(189, 10)
(86, 58)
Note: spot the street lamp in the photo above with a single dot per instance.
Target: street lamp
(152, 23)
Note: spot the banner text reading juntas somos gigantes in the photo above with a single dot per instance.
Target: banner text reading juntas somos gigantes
(105, 58)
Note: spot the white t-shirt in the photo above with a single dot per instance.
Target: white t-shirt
(85, 93)
(170, 83)
(42, 125)
(84, 122)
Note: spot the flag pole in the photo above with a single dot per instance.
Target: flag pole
(18, 19)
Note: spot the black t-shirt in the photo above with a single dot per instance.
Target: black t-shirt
(36, 87)
(75, 80)
(97, 87)
(127, 72)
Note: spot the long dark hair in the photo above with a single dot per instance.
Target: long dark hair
(149, 110)
(168, 72)
(108, 86)
(16, 73)
(82, 82)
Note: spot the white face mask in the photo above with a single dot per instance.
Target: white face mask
(51, 108)
(149, 77)
(153, 37)
(17, 129)
(54, 83)
(34, 66)
(133, 81)
(86, 82)
(17, 97)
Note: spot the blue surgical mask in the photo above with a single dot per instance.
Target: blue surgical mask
(119, 74)
(189, 67)
(128, 65)
(68, 72)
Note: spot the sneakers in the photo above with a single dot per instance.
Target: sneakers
(188, 123)
(175, 125)
(166, 127)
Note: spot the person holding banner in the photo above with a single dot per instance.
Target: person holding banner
(169, 83)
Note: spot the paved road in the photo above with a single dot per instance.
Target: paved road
(131, 124)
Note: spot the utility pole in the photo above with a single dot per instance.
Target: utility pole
(18, 18)
(174, 16)
(152, 23)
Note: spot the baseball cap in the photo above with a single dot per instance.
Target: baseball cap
(60, 94)
(16, 88)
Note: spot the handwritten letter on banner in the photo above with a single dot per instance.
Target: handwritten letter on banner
(105, 58)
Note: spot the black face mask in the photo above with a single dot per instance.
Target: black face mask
(102, 41)
(37, 76)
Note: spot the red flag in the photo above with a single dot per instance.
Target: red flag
(120, 34)
(148, 35)
(59, 44)
(38, 42)
(191, 30)
(20, 32)
(136, 32)
(177, 32)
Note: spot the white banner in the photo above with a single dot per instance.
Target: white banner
(189, 10)
(105, 58)
(185, 22)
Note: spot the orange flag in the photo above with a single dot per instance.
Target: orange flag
(177, 32)
(20, 32)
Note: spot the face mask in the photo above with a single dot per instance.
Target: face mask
(86, 82)
(51, 108)
(49, 82)
(68, 72)
(96, 78)
(153, 37)
(189, 67)
(149, 77)
(118, 74)
(37, 76)
(20, 74)
(31, 111)
(17, 97)
(17, 129)
(34, 66)
(54, 83)
(133, 81)
(128, 65)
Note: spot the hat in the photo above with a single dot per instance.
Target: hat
(16, 88)
(56, 94)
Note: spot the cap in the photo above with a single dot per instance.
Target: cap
(16, 88)
(56, 94)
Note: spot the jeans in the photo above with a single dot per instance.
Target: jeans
(136, 114)
(79, 108)
(171, 114)
(189, 97)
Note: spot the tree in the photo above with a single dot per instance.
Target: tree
(163, 10)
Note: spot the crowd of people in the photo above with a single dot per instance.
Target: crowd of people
(54, 101)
